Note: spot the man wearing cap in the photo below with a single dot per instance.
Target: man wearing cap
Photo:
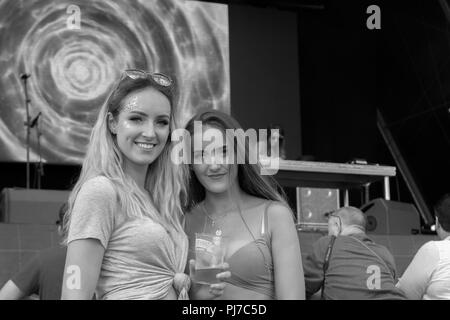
(347, 264)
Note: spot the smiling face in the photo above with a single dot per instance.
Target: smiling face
(213, 173)
(142, 127)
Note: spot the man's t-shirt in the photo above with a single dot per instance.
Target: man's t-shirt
(428, 275)
(354, 272)
(43, 274)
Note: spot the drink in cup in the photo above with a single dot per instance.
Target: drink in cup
(209, 256)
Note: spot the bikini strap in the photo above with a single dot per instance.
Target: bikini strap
(265, 220)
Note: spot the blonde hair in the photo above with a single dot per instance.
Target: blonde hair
(104, 158)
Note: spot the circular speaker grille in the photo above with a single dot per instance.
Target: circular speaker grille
(371, 223)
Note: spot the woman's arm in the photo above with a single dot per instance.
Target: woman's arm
(25, 282)
(82, 269)
(287, 259)
(91, 226)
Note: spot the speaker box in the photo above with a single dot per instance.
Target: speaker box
(31, 205)
(391, 217)
(314, 203)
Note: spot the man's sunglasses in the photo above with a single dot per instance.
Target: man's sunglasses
(159, 78)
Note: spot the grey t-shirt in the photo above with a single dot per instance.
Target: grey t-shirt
(140, 258)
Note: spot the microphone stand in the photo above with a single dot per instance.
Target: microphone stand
(40, 167)
(24, 77)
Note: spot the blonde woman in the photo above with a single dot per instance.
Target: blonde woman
(125, 237)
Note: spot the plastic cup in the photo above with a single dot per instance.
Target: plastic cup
(209, 257)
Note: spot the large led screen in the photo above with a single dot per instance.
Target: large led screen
(74, 51)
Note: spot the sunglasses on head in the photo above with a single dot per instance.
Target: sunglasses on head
(159, 78)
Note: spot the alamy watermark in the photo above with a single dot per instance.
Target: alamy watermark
(373, 22)
(239, 147)
(73, 281)
(374, 280)
(73, 21)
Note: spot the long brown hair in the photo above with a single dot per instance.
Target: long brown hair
(249, 178)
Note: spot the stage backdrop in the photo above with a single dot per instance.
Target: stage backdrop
(74, 51)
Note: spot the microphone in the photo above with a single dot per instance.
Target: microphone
(34, 121)
(25, 76)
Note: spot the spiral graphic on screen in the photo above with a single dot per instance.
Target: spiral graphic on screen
(76, 50)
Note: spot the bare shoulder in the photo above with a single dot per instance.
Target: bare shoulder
(279, 214)
(252, 201)
(279, 210)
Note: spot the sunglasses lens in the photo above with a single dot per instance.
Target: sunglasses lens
(135, 74)
(159, 78)
(162, 79)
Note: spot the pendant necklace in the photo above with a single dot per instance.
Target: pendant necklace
(214, 221)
